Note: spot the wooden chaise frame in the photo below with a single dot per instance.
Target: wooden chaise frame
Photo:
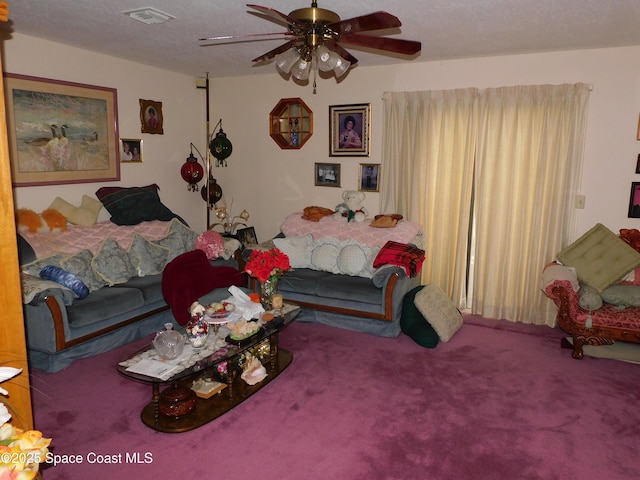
(596, 335)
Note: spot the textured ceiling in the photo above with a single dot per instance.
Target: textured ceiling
(448, 29)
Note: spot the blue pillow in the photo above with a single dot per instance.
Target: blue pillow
(65, 278)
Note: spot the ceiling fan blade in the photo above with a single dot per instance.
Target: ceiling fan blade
(272, 53)
(335, 47)
(274, 14)
(242, 38)
(366, 23)
(396, 45)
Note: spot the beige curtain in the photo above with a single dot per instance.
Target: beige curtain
(428, 149)
(528, 166)
(506, 161)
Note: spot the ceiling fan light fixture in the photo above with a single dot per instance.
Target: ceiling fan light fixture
(301, 69)
(327, 60)
(286, 60)
(341, 66)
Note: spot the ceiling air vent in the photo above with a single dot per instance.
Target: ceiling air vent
(148, 15)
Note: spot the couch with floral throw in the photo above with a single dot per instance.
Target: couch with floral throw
(89, 286)
(596, 286)
(349, 275)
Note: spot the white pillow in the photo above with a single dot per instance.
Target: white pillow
(298, 249)
(324, 255)
(438, 309)
(352, 259)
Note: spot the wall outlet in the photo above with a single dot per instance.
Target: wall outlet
(580, 201)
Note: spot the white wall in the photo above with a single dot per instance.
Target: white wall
(271, 183)
(182, 107)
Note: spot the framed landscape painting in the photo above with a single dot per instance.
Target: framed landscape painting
(61, 132)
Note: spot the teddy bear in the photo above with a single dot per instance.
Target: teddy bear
(351, 208)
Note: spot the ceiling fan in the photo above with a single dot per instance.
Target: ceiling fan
(316, 37)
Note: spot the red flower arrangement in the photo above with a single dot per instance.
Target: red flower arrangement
(265, 264)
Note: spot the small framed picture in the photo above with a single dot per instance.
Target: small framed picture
(130, 150)
(151, 116)
(638, 164)
(327, 174)
(349, 130)
(247, 236)
(368, 181)
(634, 201)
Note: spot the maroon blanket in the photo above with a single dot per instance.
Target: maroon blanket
(190, 276)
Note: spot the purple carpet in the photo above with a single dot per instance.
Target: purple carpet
(499, 401)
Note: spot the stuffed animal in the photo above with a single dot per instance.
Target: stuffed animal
(351, 208)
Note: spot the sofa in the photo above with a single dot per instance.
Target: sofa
(333, 277)
(595, 284)
(120, 267)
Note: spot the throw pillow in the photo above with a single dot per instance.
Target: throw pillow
(414, 325)
(439, 310)
(62, 206)
(352, 259)
(131, 206)
(87, 213)
(147, 257)
(297, 248)
(622, 295)
(66, 279)
(112, 263)
(35, 267)
(173, 242)
(324, 255)
(600, 257)
(80, 266)
(187, 235)
(589, 298)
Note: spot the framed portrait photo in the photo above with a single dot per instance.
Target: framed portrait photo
(369, 179)
(634, 201)
(61, 132)
(247, 236)
(349, 127)
(151, 116)
(327, 174)
(130, 150)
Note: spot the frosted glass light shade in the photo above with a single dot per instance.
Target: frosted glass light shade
(326, 59)
(341, 67)
(301, 69)
(286, 60)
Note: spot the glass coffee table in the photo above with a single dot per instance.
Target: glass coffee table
(177, 408)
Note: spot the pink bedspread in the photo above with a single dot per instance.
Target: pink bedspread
(403, 232)
(77, 238)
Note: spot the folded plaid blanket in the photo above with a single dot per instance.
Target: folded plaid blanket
(402, 255)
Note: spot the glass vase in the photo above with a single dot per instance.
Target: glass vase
(267, 290)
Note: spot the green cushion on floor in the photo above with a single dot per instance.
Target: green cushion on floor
(414, 325)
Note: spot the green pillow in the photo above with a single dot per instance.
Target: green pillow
(147, 257)
(80, 266)
(187, 235)
(173, 242)
(622, 295)
(589, 298)
(414, 325)
(112, 263)
(133, 205)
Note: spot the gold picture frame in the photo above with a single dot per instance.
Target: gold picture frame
(131, 150)
(349, 127)
(61, 132)
(151, 119)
